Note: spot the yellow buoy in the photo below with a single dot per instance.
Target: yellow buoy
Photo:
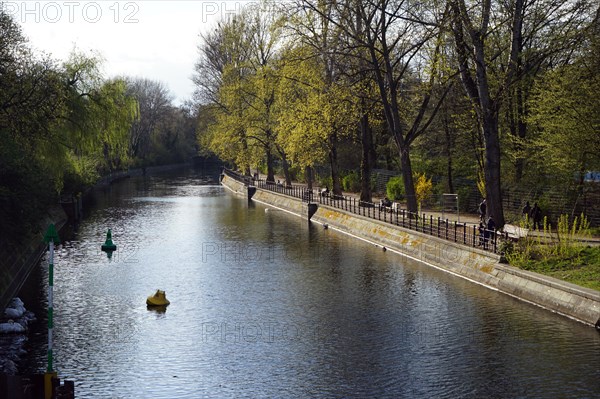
(158, 299)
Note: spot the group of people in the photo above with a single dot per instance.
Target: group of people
(533, 215)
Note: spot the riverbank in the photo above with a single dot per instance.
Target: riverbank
(472, 263)
(18, 262)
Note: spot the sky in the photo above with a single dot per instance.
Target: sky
(154, 39)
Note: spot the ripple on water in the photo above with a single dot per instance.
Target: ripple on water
(263, 305)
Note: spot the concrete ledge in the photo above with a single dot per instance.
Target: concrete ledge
(280, 201)
(234, 186)
(568, 299)
(471, 263)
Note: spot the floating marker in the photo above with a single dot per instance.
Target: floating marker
(108, 244)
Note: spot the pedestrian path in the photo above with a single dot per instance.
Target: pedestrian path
(512, 231)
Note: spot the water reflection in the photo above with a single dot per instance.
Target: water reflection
(264, 304)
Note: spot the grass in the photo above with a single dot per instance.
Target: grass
(581, 267)
(559, 253)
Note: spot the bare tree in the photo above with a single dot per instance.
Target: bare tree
(154, 101)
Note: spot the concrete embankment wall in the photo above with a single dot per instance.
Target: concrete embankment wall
(234, 186)
(479, 266)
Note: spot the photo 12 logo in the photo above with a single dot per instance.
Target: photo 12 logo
(72, 11)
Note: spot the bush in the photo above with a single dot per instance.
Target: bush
(351, 182)
(423, 188)
(395, 188)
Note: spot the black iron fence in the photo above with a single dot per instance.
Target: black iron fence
(462, 233)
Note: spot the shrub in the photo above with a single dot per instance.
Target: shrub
(423, 188)
(395, 188)
(351, 182)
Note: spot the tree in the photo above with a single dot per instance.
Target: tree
(100, 114)
(265, 31)
(564, 107)
(315, 113)
(490, 66)
(543, 35)
(393, 34)
(221, 71)
(154, 102)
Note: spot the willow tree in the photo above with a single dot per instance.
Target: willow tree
(96, 129)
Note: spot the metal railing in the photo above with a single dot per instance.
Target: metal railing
(473, 236)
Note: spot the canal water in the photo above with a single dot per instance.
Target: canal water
(264, 305)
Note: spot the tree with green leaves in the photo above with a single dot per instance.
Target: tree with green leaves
(394, 36)
(565, 110)
(498, 47)
(221, 74)
(315, 114)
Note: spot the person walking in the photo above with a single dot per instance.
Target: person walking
(526, 209)
(482, 210)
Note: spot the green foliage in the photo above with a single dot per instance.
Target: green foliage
(564, 108)
(62, 125)
(312, 110)
(583, 269)
(26, 191)
(351, 182)
(325, 181)
(561, 254)
(395, 188)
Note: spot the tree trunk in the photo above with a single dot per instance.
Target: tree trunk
(285, 165)
(286, 172)
(449, 146)
(492, 168)
(270, 169)
(308, 173)
(366, 162)
(335, 172)
(409, 185)
(246, 165)
(478, 90)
